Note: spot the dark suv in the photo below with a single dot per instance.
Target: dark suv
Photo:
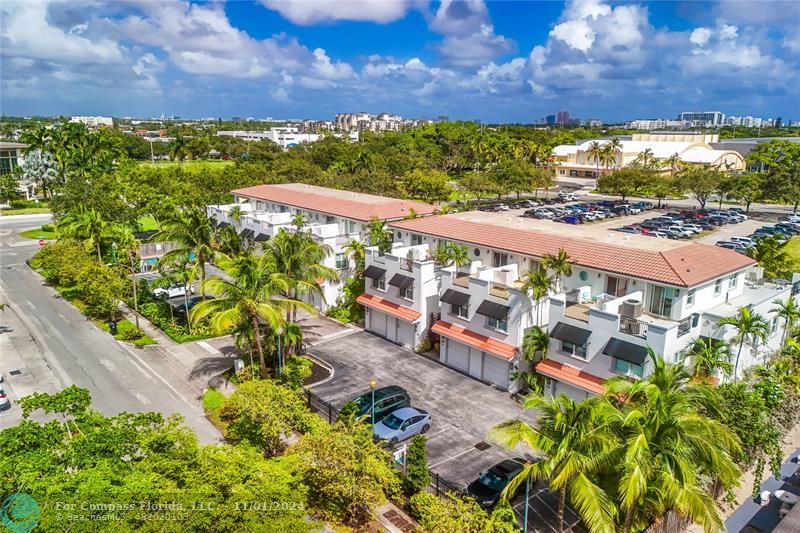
(387, 399)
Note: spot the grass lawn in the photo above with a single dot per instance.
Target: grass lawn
(212, 404)
(792, 249)
(38, 233)
(191, 165)
(124, 326)
(25, 211)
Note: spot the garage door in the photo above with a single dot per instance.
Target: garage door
(457, 355)
(495, 370)
(573, 392)
(405, 333)
(377, 322)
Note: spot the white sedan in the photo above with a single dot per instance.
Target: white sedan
(402, 424)
(173, 291)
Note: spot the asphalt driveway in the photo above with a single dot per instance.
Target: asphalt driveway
(462, 408)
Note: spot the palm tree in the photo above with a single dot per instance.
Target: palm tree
(673, 163)
(299, 258)
(126, 242)
(575, 442)
(236, 213)
(379, 235)
(749, 326)
(537, 285)
(647, 160)
(615, 145)
(355, 251)
(535, 344)
(299, 221)
(668, 446)
(608, 157)
(86, 225)
(250, 294)
(593, 154)
(706, 356)
(560, 264)
(789, 311)
(193, 234)
(771, 255)
(177, 148)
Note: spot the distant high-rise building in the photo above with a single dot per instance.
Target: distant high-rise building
(550, 119)
(443, 118)
(562, 117)
(702, 118)
(778, 122)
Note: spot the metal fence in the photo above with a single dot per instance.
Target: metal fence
(324, 409)
(442, 487)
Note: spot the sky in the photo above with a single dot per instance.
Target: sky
(496, 61)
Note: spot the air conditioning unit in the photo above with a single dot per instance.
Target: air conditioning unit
(630, 308)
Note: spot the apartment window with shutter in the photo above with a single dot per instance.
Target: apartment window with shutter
(718, 287)
(460, 311)
(379, 283)
(342, 261)
(500, 325)
(733, 281)
(690, 298)
(407, 293)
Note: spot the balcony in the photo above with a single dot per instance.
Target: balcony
(684, 326)
(461, 280)
(577, 311)
(632, 326)
(499, 291)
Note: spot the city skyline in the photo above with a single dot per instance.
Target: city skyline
(497, 62)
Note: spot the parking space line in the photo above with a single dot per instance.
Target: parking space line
(430, 435)
(471, 448)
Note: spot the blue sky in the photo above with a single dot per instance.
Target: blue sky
(496, 61)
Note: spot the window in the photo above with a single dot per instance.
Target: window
(499, 259)
(573, 173)
(718, 287)
(416, 240)
(627, 368)
(774, 325)
(690, 298)
(616, 286)
(733, 281)
(379, 283)
(574, 349)
(661, 300)
(342, 262)
(460, 311)
(8, 160)
(407, 293)
(351, 226)
(494, 323)
(329, 220)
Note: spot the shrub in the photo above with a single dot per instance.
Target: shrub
(49, 228)
(444, 515)
(62, 262)
(424, 346)
(101, 289)
(296, 370)
(130, 334)
(23, 204)
(248, 373)
(417, 476)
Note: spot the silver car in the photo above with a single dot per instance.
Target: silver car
(402, 424)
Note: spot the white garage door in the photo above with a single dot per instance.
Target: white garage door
(573, 392)
(495, 370)
(457, 355)
(405, 333)
(377, 322)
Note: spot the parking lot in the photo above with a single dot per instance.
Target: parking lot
(463, 409)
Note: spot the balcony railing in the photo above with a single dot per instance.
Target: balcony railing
(684, 326)
(631, 326)
(406, 264)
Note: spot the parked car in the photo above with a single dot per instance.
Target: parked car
(173, 291)
(501, 207)
(490, 483)
(527, 203)
(659, 233)
(696, 228)
(567, 196)
(747, 241)
(628, 229)
(402, 424)
(194, 300)
(5, 401)
(735, 246)
(387, 399)
(569, 219)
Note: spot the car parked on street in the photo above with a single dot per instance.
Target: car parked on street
(402, 424)
(173, 291)
(387, 399)
(490, 483)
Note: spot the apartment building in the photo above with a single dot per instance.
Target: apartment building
(626, 293)
(334, 217)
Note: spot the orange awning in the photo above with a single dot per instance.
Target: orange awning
(396, 310)
(481, 342)
(573, 376)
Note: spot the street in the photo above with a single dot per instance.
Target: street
(47, 345)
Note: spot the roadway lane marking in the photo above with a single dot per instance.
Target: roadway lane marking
(470, 449)
(142, 398)
(158, 376)
(207, 347)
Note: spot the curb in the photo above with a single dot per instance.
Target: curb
(323, 364)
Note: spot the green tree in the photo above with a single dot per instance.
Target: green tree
(101, 289)
(265, 414)
(355, 251)
(771, 255)
(574, 440)
(746, 188)
(624, 182)
(560, 264)
(347, 472)
(594, 153)
(668, 448)
(478, 184)
(446, 515)
(86, 225)
(748, 326)
(789, 311)
(427, 185)
(516, 176)
(417, 476)
(251, 295)
(8, 187)
(537, 285)
(452, 254)
(379, 235)
(193, 234)
(700, 181)
(706, 356)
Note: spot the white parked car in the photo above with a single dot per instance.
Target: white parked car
(568, 196)
(5, 402)
(173, 291)
(501, 207)
(747, 241)
(693, 228)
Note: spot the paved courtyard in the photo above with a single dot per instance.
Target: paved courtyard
(463, 409)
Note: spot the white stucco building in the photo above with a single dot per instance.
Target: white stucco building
(334, 217)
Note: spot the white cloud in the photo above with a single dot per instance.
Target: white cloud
(576, 33)
(469, 39)
(309, 12)
(700, 36)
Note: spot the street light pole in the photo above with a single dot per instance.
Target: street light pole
(373, 383)
(527, 504)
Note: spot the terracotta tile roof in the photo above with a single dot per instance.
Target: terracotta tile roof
(396, 310)
(481, 342)
(684, 266)
(336, 202)
(573, 376)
